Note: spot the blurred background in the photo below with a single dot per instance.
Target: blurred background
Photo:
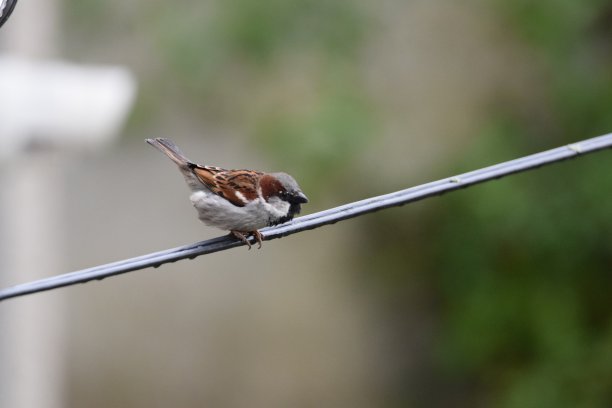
(494, 296)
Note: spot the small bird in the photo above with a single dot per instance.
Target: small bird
(241, 201)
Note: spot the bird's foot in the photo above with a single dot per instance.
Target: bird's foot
(258, 237)
(243, 237)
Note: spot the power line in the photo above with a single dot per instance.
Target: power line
(318, 219)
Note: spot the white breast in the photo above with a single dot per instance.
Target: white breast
(220, 213)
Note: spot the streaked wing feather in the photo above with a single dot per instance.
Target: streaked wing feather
(236, 186)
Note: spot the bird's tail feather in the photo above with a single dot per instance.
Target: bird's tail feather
(171, 150)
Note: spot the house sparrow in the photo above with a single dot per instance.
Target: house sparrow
(241, 201)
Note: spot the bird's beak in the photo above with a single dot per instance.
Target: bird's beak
(300, 198)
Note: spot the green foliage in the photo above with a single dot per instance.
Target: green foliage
(555, 26)
(258, 30)
(519, 269)
(204, 42)
(321, 139)
(530, 296)
(573, 38)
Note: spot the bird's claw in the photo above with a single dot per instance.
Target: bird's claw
(243, 237)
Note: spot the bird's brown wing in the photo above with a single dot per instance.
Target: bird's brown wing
(238, 187)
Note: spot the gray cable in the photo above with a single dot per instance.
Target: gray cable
(318, 219)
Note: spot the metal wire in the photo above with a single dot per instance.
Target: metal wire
(318, 219)
(6, 8)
